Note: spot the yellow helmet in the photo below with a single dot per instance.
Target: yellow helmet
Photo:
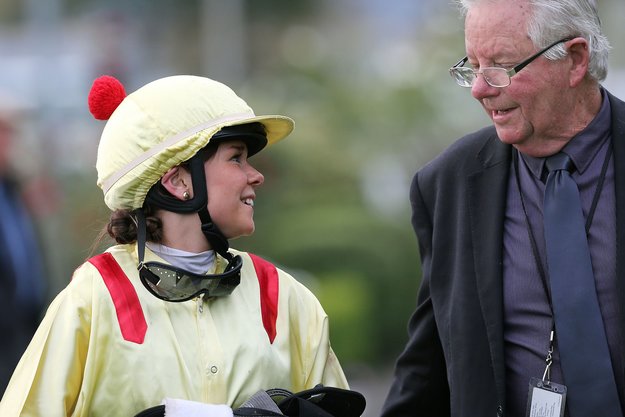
(159, 126)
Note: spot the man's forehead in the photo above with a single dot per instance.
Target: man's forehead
(498, 27)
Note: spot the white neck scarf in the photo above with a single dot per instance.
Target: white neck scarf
(197, 263)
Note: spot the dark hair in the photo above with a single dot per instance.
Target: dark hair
(122, 226)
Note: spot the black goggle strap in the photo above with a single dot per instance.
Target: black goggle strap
(141, 233)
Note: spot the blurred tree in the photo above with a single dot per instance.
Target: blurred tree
(10, 12)
(312, 216)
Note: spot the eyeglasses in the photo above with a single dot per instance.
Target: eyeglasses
(172, 284)
(494, 76)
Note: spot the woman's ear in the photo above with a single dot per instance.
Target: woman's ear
(177, 181)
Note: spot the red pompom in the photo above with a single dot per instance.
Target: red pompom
(105, 95)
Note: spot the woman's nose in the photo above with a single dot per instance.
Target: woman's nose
(254, 176)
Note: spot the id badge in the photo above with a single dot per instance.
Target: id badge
(545, 399)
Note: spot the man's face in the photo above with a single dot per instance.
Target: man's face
(531, 113)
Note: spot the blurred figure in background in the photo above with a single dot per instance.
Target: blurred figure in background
(22, 283)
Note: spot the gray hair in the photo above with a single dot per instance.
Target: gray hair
(558, 19)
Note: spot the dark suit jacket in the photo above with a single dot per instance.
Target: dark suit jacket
(453, 363)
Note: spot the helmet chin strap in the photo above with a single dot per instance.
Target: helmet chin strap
(198, 204)
(214, 236)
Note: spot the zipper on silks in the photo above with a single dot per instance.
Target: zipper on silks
(201, 339)
(200, 303)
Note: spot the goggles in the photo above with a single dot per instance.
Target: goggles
(176, 285)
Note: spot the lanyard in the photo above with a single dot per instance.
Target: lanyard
(532, 238)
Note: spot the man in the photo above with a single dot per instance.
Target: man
(483, 340)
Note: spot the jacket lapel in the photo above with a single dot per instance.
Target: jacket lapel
(487, 195)
(618, 143)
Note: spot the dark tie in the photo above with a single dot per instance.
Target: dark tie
(580, 335)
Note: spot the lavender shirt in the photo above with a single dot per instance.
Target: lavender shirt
(527, 315)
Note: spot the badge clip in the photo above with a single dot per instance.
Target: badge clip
(546, 398)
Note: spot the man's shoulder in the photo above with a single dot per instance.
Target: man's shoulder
(618, 107)
(475, 141)
(469, 152)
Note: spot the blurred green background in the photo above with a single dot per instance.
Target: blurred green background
(366, 82)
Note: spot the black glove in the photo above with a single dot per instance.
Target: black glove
(319, 401)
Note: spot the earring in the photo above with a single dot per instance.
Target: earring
(185, 195)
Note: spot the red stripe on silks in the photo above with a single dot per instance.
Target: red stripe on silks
(269, 285)
(127, 306)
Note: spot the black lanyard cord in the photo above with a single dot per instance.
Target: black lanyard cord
(532, 238)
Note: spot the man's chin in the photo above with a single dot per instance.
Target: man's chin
(508, 136)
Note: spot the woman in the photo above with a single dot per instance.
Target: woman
(172, 311)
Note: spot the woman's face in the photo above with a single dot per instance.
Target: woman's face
(231, 183)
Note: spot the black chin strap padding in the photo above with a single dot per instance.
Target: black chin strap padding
(171, 203)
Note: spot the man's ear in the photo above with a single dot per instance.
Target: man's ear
(579, 54)
(177, 181)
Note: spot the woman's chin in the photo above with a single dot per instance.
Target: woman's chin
(241, 233)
